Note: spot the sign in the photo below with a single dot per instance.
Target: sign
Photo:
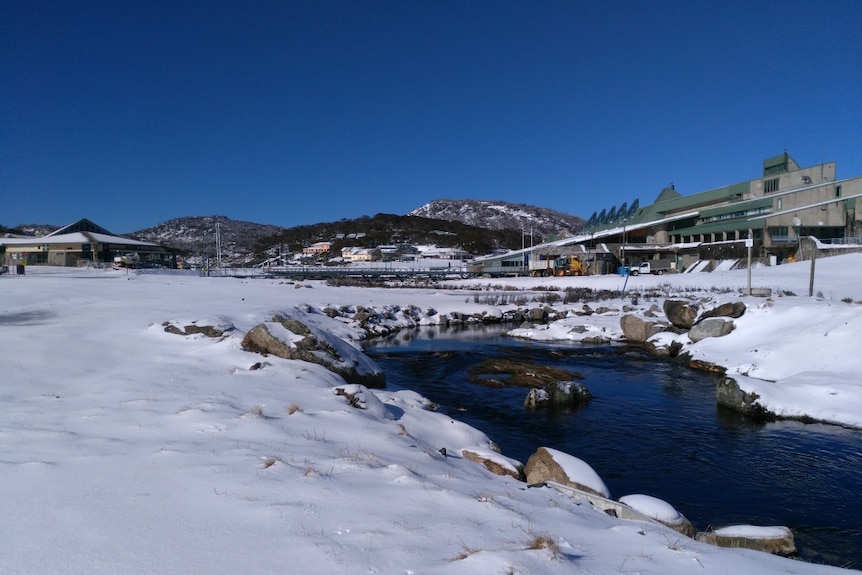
(749, 243)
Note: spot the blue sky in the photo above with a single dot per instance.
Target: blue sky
(293, 113)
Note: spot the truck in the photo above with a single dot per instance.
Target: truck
(558, 266)
(657, 267)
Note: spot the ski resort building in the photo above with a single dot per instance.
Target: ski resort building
(82, 243)
(773, 214)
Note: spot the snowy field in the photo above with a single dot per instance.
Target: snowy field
(127, 449)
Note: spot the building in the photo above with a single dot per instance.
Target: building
(317, 248)
(358, 254)
(82, 243)
(773, 212)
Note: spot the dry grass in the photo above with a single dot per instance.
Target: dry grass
(270, 461)
(254, 412)
(544, 542)
(293, 408)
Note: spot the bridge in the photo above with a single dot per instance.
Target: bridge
(346, 272)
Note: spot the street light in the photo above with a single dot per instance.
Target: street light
(797, 223)
(624, 244)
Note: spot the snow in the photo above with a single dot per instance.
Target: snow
(127, 449)
(579, 471)
(753, 531)
(653, 507)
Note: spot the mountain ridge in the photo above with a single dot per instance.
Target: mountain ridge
(477, 225)
(500, 215)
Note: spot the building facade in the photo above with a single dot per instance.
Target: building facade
(775, 212)
(82, 243)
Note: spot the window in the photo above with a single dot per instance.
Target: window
(778, 204)
(770, 186)
(837, 191)
(779, 233)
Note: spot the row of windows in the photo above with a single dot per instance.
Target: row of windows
(740, 214)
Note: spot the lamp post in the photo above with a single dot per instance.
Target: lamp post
(797, 223)
(624, 246)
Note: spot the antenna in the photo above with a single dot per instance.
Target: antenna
(821, 163)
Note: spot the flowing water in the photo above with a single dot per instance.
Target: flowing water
(653, 427)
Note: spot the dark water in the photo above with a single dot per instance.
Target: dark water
(653, 427)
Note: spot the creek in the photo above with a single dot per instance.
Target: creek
(653, 427)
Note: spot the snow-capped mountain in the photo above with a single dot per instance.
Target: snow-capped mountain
(499, 215)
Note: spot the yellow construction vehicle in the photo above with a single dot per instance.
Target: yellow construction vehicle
(559, 266)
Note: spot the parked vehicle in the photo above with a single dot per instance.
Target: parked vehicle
(558, 266)
(657, 267)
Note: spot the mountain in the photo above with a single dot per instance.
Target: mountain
(501, 216)
(197, 235)
(473, 225)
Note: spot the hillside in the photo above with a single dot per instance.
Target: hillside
(197, 235)
(500, 215)
(388, 229)
(478, 227)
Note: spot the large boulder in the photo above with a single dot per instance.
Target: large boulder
(548, 464)
(537, 315)
(679, 313)
(777, 540)
(712, 327)
(292, 339)
(637, 330)
(731, 309)
(660, 511)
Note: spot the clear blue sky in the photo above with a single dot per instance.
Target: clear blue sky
(291, 113)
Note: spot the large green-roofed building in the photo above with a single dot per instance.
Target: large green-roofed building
(785, 203)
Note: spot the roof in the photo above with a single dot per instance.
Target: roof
(75, 238)
(82, 225)
(81, 232)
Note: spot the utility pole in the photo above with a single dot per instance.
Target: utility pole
(218, 244)
(813, 258)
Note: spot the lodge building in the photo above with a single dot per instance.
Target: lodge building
(82, 243)
(775, 211)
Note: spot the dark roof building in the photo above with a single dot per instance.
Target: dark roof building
(82, 243)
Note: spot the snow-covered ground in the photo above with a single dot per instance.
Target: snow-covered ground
(127, 449)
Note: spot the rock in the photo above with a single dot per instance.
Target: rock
(537, 314)
(660, 511)
(729, 394)
(551, 465)
(493, 463)
(604, 309)
(679, 313)
(193, 328)
(558, 394)
(362, 317)
(361, 397)
(702, 365)
(711, 327)
(664, 349)
(733, 310)
(637, 330)
(518, 374)
(291, 339)
(596, 340)
(331, 312)
(777, 540)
